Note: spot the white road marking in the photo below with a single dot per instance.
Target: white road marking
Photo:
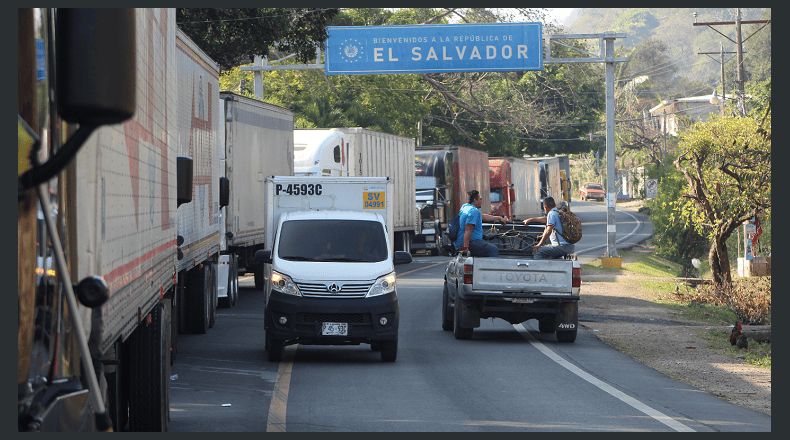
(661, 417)
(633, 232)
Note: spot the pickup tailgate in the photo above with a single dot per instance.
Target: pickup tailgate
(513, 275)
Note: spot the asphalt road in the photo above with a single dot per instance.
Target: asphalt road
(506, 378)
(630, 229)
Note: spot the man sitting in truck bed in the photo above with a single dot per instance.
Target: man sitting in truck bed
(470, 221)
(559, 247)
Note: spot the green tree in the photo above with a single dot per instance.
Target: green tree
(674, 240)
(233, 36)
(727, 164)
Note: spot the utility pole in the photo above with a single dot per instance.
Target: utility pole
(741, 71)
(739, 51)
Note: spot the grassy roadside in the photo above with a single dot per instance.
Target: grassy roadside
(659, 277)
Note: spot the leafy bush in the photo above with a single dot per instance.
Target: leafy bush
(748, 298)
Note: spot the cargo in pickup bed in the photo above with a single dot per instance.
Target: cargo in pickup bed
(513, 286)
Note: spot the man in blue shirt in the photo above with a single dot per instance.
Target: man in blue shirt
(470, 221)
(559, 246)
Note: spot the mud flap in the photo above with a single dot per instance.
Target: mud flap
(469, 313)
(567, 316)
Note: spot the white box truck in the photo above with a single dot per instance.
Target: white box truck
(256, 142)
(329, 264)
(359, 152)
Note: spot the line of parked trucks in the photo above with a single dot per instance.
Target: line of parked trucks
(153, 191)
(510, 186)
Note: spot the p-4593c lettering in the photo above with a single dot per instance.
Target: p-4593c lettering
(299, 189)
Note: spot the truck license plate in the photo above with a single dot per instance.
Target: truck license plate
(334, 329)
(524, 300)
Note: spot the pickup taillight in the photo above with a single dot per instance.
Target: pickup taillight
(468, 273)
(577, 277)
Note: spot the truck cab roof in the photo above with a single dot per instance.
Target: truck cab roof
(332, 215)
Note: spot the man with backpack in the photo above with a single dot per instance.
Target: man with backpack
(470, 232)
(559, 246)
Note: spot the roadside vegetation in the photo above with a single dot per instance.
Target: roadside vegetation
(747, 300)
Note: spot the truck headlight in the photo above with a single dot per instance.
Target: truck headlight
(283, 284)
(385, 284)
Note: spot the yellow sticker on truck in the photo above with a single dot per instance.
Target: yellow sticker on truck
(373, 200)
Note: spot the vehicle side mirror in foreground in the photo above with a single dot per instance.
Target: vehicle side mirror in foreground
(401, 257)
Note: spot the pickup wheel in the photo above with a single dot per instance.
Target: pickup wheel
(458, 332)
(546, 325)
(567, 336)
(447, 312)
(389, 350)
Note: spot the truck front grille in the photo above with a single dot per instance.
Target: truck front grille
(350, 290)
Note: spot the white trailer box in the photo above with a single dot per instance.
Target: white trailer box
(526, 183)
(258, 142)
(359, 152)
(297, 193)
(197, 128)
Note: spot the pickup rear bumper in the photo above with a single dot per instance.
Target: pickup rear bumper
(305, 315)
(517, 308)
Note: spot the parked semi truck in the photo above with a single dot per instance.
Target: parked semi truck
(515, 187)
(359, 152)
(457, 170)
(329, 264)
(256, 141)
(117, 150)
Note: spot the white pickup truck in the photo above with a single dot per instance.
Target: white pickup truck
(329, 273)
(514, 286)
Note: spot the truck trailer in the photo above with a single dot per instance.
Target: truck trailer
(359, 152)
(121, 162)
(98, 154)
(515, 187)
(457, 171)
(197, 128)
(257, 141)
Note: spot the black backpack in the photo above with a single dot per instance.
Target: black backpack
(453, 227)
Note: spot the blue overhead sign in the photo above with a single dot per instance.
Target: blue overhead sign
(358, 50)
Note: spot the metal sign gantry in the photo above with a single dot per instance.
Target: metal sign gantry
(605, 55)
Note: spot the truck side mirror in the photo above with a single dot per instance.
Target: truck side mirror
(224, 191)
(402, 257)
(184, 179)
(96, 65)
(263, 256)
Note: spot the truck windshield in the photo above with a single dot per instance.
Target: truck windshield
(332, 240)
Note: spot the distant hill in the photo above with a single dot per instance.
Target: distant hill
(674, 26)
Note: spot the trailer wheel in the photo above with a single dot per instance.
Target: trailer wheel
(198, 298)
(213, 300)
(234, 278)
(274, 349)
(389, 350)
(458, 332)
(447, 314)
(149, 396)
